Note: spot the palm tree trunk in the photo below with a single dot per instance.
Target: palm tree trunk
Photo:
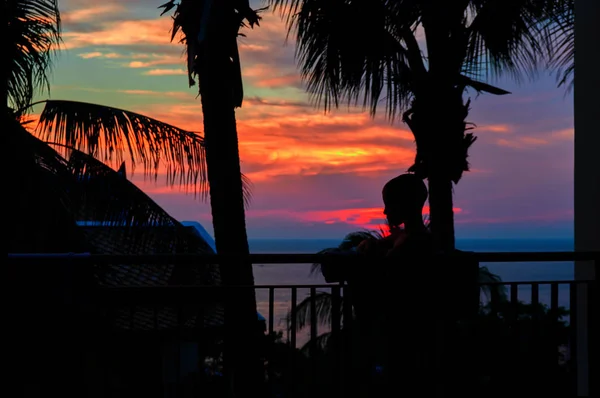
(441, 209)
(227, 205)
(437, 138)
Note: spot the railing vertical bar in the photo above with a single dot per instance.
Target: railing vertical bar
(105, 355)
(335, 335)
(535, 339)
(535, 294)
(554, 300)
(535, 304)
(178, 391)
(293, 313)
(573, 290)
(313, 320)
(514, 301)
(554, 331)
(155, 317)
(200, 333)
(131, 316)
(271, 310)
(294, 303)
(514, 293)
(348, 381)
(313, 339)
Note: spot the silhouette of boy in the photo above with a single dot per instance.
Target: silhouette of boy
(403, 197)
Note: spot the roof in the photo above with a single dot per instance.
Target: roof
(107, 239)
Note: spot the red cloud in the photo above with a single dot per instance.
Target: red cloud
(370, 218)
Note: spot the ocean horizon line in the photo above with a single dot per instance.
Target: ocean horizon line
(458, 239)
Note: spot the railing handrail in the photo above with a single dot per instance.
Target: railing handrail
(294, 258)
(323, 285)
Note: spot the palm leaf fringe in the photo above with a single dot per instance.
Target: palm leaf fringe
(112, 134)
(323, 306)
(33, 30)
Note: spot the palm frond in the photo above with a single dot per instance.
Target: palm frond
(321, 343)
(348, 244)
(32, 33)
(504, 37)
(366, 63)
(491, 285)
(560, 33)
(247, 187)
(116, 135)
(353, 239)
(315, 268)
(324, 309)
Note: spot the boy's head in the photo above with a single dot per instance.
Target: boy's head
(404, 197)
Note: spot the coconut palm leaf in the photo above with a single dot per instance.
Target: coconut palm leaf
(560, 30)
(115, 135)
(32, 32)
(359, 64)
(481, 86)
(504, 37)
(323, 305)
(491, 285)
(321, 343)
(348, 244)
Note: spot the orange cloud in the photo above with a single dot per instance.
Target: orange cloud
(156, 61)
(279, 138)
(522, 142)
(90, 13)
(119, 33)
(280, 81)
(165, 72)
(89, 55)
(266, 75)
(495, 128)
(98, 54)
(566, 134)
(149, 93)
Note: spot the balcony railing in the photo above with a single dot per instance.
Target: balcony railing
(151, 340)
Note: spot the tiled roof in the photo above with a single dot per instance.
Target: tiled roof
(156, 240)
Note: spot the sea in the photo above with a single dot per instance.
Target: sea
(299, 274)
(509, 272)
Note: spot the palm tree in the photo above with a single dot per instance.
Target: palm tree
(419, 57)
(560, 30)
(42, 178)
(43, 182)
(210, 30)
(103, 132)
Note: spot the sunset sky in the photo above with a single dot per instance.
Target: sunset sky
(316, 175)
